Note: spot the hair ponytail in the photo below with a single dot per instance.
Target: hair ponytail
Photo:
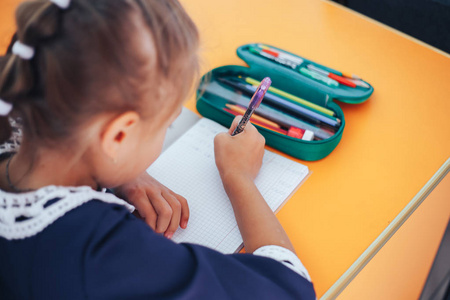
(5, 126)
(36, 21)
(5, 129)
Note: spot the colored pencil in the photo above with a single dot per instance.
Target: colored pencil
(286, 106)
(241, 110)
(279, 60)
(292, 97)
(338, 78)
(214, 89)
(282, 54)
(319, 77)
(295, 132)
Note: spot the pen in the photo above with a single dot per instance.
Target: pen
(241, 110)
(287, 121)
(214, 89)
(289, 130)
(291, 122)
(295, 59)
(281, 61)
(282, 54)
(338, 78)
(319, 77)
(351, 82)
(292, 131)
(359, 82)
(287, 106)
(293, 98)
(255, 121)
(254, 103)
(352, 76)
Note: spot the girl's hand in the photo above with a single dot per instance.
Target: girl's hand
(162, 209)
(240, 156)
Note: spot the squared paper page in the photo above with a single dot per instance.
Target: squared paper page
(188, 168)
(182, 123)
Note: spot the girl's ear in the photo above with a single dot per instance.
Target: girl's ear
(117, 134)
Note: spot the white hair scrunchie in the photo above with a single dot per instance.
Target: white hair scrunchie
(23, 51)
(5, 108)
(63, 4)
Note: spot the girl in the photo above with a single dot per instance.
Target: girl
(87, 91)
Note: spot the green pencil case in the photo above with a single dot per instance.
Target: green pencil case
(213, 96)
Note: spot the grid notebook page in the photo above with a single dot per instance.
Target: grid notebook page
(188, 168)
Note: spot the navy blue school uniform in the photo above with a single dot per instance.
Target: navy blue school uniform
(101, 251)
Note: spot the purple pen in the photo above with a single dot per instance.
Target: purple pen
(254, 104)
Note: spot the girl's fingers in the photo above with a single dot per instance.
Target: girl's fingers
(163, 211)
(236, 121)
(176, 214)
(249, 127)
(146, 210)
(184, 210)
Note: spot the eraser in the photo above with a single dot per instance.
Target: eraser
(308, 135)
(295, 132)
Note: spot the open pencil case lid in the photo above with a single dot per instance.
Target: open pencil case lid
(212, 97)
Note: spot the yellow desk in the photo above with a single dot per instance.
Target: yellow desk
(392, 144)
(399, 270)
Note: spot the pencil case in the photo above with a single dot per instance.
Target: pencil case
(293, 78)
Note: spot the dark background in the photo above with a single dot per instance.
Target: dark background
(426, 20)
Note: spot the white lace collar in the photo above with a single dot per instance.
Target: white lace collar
(31, 206)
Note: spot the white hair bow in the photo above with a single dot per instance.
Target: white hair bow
(63, 4)
(5, 108)
(22, 50)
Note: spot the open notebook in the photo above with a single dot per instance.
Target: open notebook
(188, 168)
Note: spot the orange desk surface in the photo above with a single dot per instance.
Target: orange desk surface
(392, 144)
(399, 270)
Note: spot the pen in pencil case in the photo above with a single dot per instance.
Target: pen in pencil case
(308, 113)
(219, 91)
(240, 109)
(257, 97)
(341, 77)
(359, 82)
(338, 78)
(351, 82)
(351, 76)
(287, 106)
(289, 96)
(321, 78)
(281, 61)
(294, 132)
(291, 131)
(343, 74)
(282, 54)
(287, 121)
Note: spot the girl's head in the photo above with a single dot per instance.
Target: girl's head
(106, 79)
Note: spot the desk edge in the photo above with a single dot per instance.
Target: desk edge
(387, 233)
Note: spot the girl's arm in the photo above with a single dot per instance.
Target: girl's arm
(239, 159)
(162, 209)
(257, 223)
